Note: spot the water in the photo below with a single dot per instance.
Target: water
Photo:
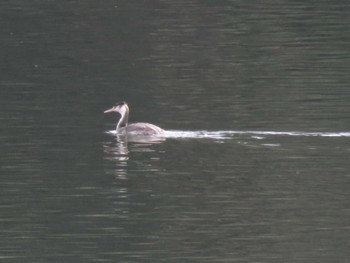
(254, 166)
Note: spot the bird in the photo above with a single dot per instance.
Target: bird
(139, 128)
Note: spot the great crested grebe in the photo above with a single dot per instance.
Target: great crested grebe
(139, 128)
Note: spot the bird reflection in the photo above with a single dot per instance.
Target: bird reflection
(120, 152)
(126, 156)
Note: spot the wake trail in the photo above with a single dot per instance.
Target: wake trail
(230, 134)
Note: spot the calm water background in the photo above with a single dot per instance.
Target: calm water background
(70, 192)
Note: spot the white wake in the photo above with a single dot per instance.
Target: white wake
(178, 134)
(230, 134)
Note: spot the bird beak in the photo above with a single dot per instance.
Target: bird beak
(110, 110)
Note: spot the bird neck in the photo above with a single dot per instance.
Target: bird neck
(123, 121)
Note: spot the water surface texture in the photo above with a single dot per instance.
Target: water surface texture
(254, 166)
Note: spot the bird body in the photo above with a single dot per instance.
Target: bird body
(139, 128)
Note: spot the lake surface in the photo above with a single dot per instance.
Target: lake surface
(254, 166)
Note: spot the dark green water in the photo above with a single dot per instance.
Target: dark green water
(256, 166)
